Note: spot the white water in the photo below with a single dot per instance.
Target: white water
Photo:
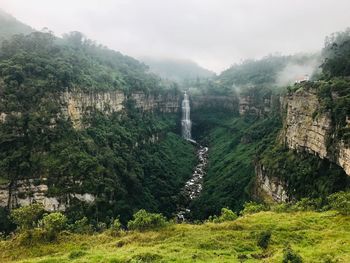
(186, 121)
(193, 186)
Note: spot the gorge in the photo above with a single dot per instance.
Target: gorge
(123, 139)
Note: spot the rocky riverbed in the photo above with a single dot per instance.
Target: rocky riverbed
(194, 185)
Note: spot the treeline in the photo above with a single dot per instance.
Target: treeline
(114, 158)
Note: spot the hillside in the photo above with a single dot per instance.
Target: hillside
(316, 237)
(93, 167)
(79, 120)
(10, 26)
(177, 69)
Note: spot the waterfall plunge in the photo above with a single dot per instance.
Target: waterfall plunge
(186, 121)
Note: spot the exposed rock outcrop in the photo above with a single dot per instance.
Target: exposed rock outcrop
(309, 129)
(25, 192)
(76, 104)
(270, 185)
(248, 106)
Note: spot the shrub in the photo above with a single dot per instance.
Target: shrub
(264, 239)
(101, 226)
(144, 220)
(226, 215)
(29, 237)
(340, 202)
(290, 256)
(53, 223)
(27, 217)
(252, 207)
(308, 204)
(81, 226)
(116, 225)
(281, 208)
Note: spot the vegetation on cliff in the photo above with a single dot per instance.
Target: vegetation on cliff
(234, 143)
(127, 160)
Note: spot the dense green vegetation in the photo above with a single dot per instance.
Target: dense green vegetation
(336, 54)
(264, 72)
(311, 177)
(11, 26)
(234, 144)
(114, 157)
(73, 62)
(268, 236)
(182, 71)
(136, 161)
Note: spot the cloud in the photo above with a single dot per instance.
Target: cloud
(296, 71)
(213, 33)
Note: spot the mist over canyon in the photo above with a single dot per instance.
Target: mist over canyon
(107, 158)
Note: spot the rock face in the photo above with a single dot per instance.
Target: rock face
(307, 131)
(166, 103)
(25, 192)
(76, 104)
(247, 105)
(271, 186)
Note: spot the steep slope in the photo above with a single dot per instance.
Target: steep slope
(87, 130)
(10, 26)
(177, 69)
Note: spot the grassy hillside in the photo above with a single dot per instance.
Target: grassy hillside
(316, 237)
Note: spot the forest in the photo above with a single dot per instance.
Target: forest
(134, 163)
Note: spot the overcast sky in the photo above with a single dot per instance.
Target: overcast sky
(213, 33)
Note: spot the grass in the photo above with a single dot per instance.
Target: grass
(317, 237)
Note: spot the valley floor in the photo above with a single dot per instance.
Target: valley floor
(316, 237)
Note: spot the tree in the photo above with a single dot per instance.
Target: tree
(27, 217)
(54, 222)
(144, 220)
(340, 202)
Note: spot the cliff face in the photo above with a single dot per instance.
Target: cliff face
(270, 186)
(307, 131)
(76, 104)
(248, 106)
(24, 192)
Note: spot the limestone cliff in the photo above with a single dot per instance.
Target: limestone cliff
(309, 129)
(76, 104)
(269, 186)
(24, 192)
(247, 105)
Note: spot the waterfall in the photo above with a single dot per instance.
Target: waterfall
(186, 121)
(194, 185)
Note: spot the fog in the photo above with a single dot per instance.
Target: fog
(295, 72)
(213, 33)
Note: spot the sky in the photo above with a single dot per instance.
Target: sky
(213, 33)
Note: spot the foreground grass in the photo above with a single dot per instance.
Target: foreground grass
(317, 237)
